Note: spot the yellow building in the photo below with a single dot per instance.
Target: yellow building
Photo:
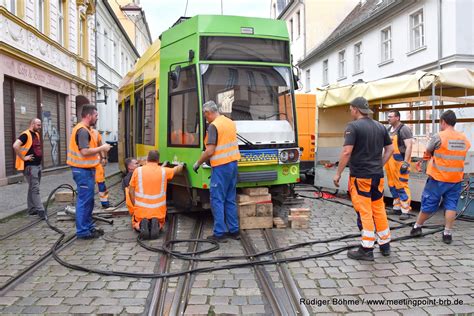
(47, 70)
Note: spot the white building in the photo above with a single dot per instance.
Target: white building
(116, 55)
(47, 70)
(385, 38)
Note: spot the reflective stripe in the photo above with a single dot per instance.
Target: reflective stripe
(383, 241)
(81, 162)
(367, 243)
(148, 205)
(447, 169)
(224, 155)
(383, 233)
(449, 157)
(368, 233)
(225, 146)
(140, 186)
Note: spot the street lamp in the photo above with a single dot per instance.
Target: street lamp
(106, 89)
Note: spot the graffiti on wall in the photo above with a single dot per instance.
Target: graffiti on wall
(50, 132)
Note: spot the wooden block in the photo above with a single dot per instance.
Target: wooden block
(255, 199)
(255, 191)
(256, 222)
(298, 218)
(247, 210)
(278, 222)
(300, 211)
(242, 198)
(264, 209)
(64, 196)
(299, 224)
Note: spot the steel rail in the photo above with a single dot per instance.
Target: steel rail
(265, 279)
(183, 288)
(156, 305)
(289, 284)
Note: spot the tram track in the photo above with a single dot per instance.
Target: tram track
(51, 215)
(41, 260)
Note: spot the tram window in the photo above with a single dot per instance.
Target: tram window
(183, 128)
(149, 121)
(244, 49)
(139, 116)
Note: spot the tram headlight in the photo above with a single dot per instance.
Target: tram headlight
(289, 156)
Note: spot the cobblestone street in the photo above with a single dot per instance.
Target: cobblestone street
(418, 269)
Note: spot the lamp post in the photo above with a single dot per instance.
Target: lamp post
(106, 89)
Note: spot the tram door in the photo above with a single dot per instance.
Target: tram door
(129, 148)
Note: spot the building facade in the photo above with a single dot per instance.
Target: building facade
(47, 70)
(133, 19)
(309, 23)
(116, 55)
(385, 38)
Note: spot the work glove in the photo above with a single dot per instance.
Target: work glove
(404, 167)
(196, 166)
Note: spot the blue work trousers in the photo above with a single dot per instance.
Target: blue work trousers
(85, 181)
(223, 193)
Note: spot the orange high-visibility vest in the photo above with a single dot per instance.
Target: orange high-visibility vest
(99, 169)
(150, 192)
(227, 148)
(20, 163)
(74, 156)
(447, 163)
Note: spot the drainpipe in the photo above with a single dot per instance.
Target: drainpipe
(304, 30)
(440, 33)
(95, 53)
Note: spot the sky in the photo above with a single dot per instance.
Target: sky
(161, 14)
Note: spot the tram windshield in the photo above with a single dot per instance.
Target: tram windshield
(257, 98)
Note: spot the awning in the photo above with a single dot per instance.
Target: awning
(453, 82)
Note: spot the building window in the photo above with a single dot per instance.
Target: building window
(308, 80)
(298, 27)
(11, 6)
(39, 15)
(342, 63)
(325, 72)
(122, 64)
(358, 67)
(291, 30)
(417, 35)
(386, 40)
(61, 22)
(106, 46)
(82, 37)
(115, 55)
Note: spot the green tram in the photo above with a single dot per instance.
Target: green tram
(244, 65)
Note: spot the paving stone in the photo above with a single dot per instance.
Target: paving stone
(108, 310)
(231, 283)
(239, 300)
(255, 300)
(197, 300)
(34, 310)
(219, 300)
(118, 285)
(226, 310)
(247, 291)
(8, 300)
(135, 309)
(51, 301)
(224, 292)
(437, 310)
(60, 309)
(197, 310)
(253, 309)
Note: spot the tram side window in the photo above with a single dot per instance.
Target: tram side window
(183, 112)
(139, 116)
(149, 122)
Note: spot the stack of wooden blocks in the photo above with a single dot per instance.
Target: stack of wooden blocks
(299, 217)
(279, 222)
(255, 208)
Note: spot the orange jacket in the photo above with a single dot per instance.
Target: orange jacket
(149, 184)
(227, 148)
(74, 156)
(447, 163)
(19, 163)
(99, 169)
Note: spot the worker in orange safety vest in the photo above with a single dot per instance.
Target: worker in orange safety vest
(147, 193)
(447, 151)
(398, 166)
(100, 173)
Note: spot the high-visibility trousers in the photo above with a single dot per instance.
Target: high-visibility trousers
(367, 199)
(398, 184)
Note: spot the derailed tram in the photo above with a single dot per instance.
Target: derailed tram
(244, 65)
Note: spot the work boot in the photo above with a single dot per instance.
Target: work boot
(361, 253)
(447, 239)
(93, 235)
(385, 249)
(416, 232)
(144, 229)
(219, 239)
(32, 212)
(394, 211)
(154, 228)
(100, 231)
(404, 216)
(235, 236)
(41, 214)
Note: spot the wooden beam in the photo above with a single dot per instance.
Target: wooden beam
(438, 98)
(426, 107)
(459, 120)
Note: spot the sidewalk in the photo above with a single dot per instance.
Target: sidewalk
(13, 196)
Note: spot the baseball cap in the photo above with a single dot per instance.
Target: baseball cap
(362, 104)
